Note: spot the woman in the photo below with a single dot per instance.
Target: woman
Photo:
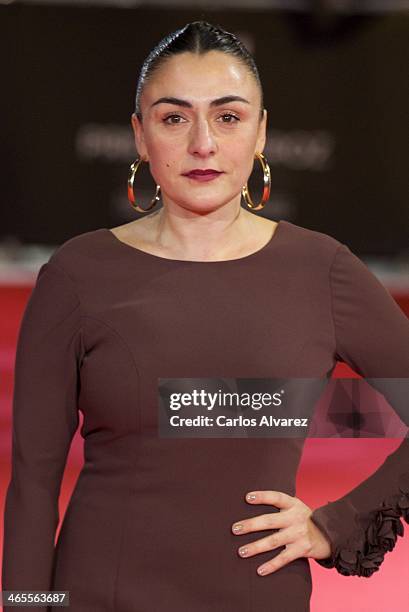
(200, 288)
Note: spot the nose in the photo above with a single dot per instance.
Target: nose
(202, 141)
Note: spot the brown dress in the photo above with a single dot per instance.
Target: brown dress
(148, 527)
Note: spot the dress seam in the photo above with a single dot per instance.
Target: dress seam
(131, 492)
(83, 315)
(332, 298)
(53, 264)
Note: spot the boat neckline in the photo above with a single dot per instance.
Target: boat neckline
(137, 251)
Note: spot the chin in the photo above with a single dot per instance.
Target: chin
(202, 206)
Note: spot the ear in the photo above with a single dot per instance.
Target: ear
(139, 137)
(261, 138)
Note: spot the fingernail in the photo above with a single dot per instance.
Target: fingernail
(251, 496)
(243, 551)
(237, 527)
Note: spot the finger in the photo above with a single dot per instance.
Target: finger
(290, 553)
(270, 520)
(270, 542)
(273, 498)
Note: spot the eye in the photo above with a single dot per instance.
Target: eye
(230, 115)
(165, 120)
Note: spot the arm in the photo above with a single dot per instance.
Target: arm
(372, 336)
(45, 418)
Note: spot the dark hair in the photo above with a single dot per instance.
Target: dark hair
(197, 37)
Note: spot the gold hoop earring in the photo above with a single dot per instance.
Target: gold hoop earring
(266, 183)
(131, 196)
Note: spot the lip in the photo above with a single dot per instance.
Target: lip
(203, 175)
(207, 176)
(199, 172)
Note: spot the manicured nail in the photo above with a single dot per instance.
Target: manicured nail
(261, 570)
(237, 527)
(251, 496)
(243, 551)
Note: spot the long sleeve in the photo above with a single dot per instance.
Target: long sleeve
(44, 421)
(372, 336)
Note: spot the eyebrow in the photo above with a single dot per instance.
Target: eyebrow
(186, 104)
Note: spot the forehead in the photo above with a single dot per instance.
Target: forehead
(201, 76)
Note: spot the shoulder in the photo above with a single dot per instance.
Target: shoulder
(311, 243)
(78, 251)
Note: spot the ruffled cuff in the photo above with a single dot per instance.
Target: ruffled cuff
(362, 552)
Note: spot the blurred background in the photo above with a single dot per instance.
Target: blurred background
(336, 87)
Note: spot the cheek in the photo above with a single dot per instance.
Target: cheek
(165, 168)
(159, 146)
(241, 163)
(239, 154)
(162, 157)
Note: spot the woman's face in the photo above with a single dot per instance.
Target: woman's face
(177, 137)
